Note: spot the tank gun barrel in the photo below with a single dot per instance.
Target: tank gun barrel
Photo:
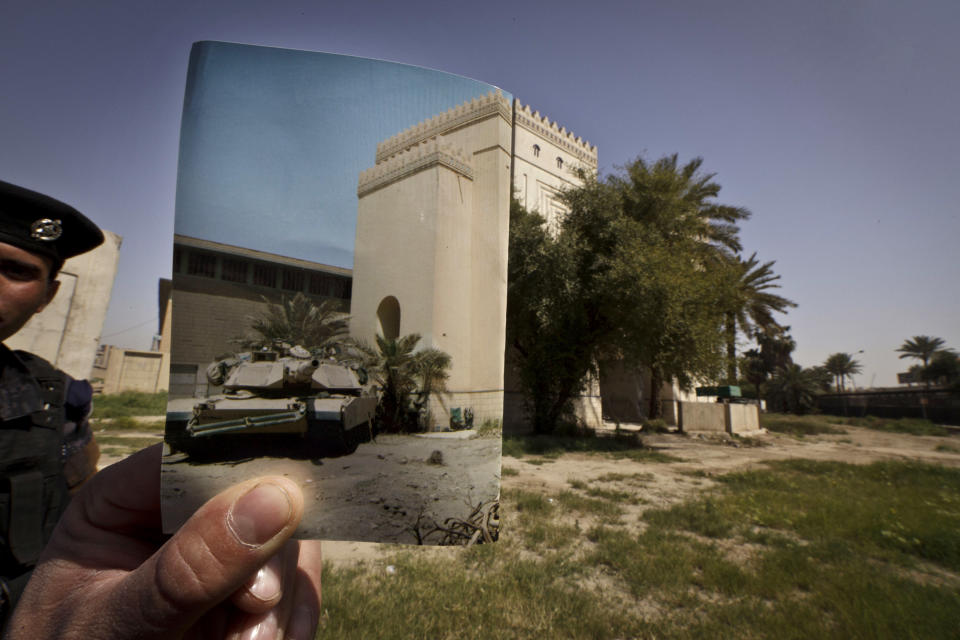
(302, 371)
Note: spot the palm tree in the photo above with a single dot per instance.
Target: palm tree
(299, 321)
(674, 208)
(401, 372)
(678, 202)
(751, 303)
(841, 365)
(793, 389)
(921, 348)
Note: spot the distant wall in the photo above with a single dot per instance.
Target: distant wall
(938, 405)
(132, 370)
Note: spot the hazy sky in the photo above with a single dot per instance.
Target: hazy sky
(836, 123)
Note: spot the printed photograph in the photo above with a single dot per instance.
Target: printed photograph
(338, 300)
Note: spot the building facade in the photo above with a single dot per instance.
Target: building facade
(215, 291)
(433, 229)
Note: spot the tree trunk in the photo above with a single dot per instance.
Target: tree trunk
(656, 381)
(731, 330)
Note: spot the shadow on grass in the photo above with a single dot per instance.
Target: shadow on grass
(619, 446)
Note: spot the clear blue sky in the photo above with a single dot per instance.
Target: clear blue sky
(836, 124)
(273, 141)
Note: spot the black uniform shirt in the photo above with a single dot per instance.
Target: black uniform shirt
(19, 392)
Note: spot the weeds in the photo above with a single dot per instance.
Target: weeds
(129, 403)
(621, 446)
(832, 551)
(914, 426)
(797, 425)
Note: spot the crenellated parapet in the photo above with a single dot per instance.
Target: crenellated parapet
(494, 103)
(541, 126)
(424, 155)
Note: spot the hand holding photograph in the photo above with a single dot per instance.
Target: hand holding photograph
(339, 292)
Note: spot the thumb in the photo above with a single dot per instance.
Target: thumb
(213, 554)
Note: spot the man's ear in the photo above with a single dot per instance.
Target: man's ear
(52, 287)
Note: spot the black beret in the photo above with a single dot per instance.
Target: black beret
(45, 226)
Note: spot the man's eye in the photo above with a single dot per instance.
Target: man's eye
(15, 270)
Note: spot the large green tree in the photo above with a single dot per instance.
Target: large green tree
(750, 304)
(627, 275)
(561, 300)
(684, 241)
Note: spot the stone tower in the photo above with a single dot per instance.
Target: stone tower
(432, 232)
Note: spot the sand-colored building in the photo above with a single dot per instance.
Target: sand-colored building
(432, 234)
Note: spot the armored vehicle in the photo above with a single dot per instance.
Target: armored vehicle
(282, 398)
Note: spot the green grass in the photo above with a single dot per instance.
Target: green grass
(126, 424)
(800, 549)
(624, 446)
(947, 448)
(508, 471)
(130, 444)
(914, 426)
(489, 429)
(129, 403)
(797, 425)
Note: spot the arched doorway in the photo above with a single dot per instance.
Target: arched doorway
(388, 318)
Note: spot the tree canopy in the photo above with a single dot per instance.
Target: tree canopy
(921, 348)
(840, 366)
(750, 305)
(406, 378)
(299, 321)
(637, 270)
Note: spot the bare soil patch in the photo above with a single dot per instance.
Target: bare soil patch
(663, 484)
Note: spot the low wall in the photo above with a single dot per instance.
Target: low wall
(742, 418)
(702, 416)
(716, 417)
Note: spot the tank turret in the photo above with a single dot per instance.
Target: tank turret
(281, 395)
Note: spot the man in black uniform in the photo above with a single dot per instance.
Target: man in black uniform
(46, 449)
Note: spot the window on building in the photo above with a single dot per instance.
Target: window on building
(536, 151)
(264, 275)
(559, 162)
(177, 256)
(234, 270)
(293, 280)
(341, 288)
(319, 284)
(202, 264)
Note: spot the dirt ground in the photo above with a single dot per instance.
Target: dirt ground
(352, 489)
(382, 492)
(661, 484)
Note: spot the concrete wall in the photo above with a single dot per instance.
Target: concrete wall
(68, 331)
(432, 232)
(742, 418)
(133, 370)
(702, 416)
(718, 417)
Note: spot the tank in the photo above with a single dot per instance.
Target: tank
(287, 399)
